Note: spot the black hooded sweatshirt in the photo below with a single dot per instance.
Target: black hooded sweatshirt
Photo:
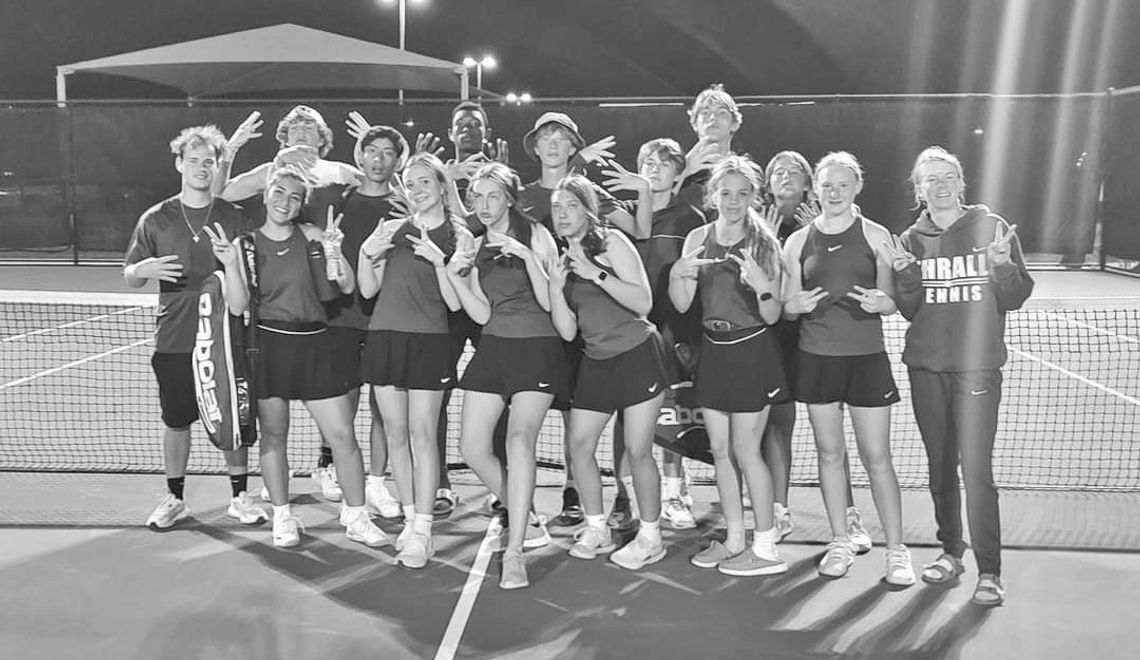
(955, 302)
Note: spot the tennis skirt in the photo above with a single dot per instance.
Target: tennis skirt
(623, 380)
(858, 380)
(741, 371)
(408, 360)
(506, 365)
(296, 363)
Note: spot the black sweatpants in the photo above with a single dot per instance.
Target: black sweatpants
(957, 414)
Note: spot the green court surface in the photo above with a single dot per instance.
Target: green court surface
(81, 576)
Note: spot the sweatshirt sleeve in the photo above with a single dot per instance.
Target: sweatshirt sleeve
(1012, 283)
(908, 283)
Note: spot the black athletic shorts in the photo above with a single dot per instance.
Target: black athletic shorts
(347, 348)
(175, 375)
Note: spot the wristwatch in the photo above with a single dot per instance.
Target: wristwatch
(602, 275)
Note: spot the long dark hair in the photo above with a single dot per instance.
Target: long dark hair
(520, 225)
(594, 241)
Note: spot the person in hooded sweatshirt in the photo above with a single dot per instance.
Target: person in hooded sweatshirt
(959, 270)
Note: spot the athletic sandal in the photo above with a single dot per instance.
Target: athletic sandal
(711, 556)
(943, 570)
(445, 501)
(514, 572)
(990, 591)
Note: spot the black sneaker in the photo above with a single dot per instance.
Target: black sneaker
(621, 516)
(572, 513)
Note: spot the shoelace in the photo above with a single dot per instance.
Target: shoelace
(898, 559)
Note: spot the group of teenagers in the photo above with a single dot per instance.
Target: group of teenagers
(764, 286)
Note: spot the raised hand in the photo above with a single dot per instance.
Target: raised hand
(619, 178)
(901, 259)
(426, 248)
(598, 152)
(998, 252)
(508, 246)
(502, 152)
(428, 143)
(804, 302)
(460, 263)
(399, 207)
(332, 236)
(378, 244)
(772, 217)
(872, 301)
(579, 264)
(357, 125)
(556, 271)
(165, 268)
(245, 132)
(807, 211)
(704, 154)
(224, 250)
(689, 265)
(751, 274)
(466, 168)
(301, 155)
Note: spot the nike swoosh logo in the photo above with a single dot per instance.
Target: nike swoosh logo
(653, 388)
(774, 392)
(282, 253)
(833, 248)
(444, 380)
(542, 384)
(980, 249)
(978, 392)
(889, 394)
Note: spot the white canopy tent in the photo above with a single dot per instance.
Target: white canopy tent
(277, 58)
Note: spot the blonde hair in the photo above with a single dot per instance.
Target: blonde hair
(931, 154)
(759, 239)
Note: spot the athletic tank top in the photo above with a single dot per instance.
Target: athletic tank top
(723, 297)
(409, 298)
(287, 289)
(838, 262)
(515, 311)
(607, 327)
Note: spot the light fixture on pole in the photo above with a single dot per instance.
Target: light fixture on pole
(487, 62)
(403, 25)
(518, 99)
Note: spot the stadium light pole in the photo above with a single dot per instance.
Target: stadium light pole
(489, 62)
(403, 7)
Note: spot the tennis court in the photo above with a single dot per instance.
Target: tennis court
(82, 575)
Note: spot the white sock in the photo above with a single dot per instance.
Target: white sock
(350, 513)
(764, 544)
(670, 488)
(376, 481)
(421, 524)
(409, 512)
(650, 530)
(596, 521)
(282, 511)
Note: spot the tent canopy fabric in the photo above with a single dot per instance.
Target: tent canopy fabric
(278, 58)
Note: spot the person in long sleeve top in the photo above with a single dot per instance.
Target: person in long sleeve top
(959, 270)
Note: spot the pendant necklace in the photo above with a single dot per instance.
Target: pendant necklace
(195, 235)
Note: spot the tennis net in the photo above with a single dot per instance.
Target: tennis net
(77, 394)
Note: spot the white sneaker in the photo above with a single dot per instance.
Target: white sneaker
(589, 542)
(856, 532)
(287, 531)
(169, 511)
(264, 494)
(900, 570)
(678, 514)
(417, 550)
(360, 528)
(379, 501)
(537, 536)
(246, 511)
(326, 479)
(782, 516)
(839, 557)
(638, 553)
(686, 488)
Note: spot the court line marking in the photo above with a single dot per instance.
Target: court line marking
(1104, 388)
(449, 645)
(75, 363)
(1094, 328)
(69, 325)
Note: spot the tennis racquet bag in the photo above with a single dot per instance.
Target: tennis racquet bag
(222, 371)
(680, 426)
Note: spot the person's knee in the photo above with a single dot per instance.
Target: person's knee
(832, 455)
